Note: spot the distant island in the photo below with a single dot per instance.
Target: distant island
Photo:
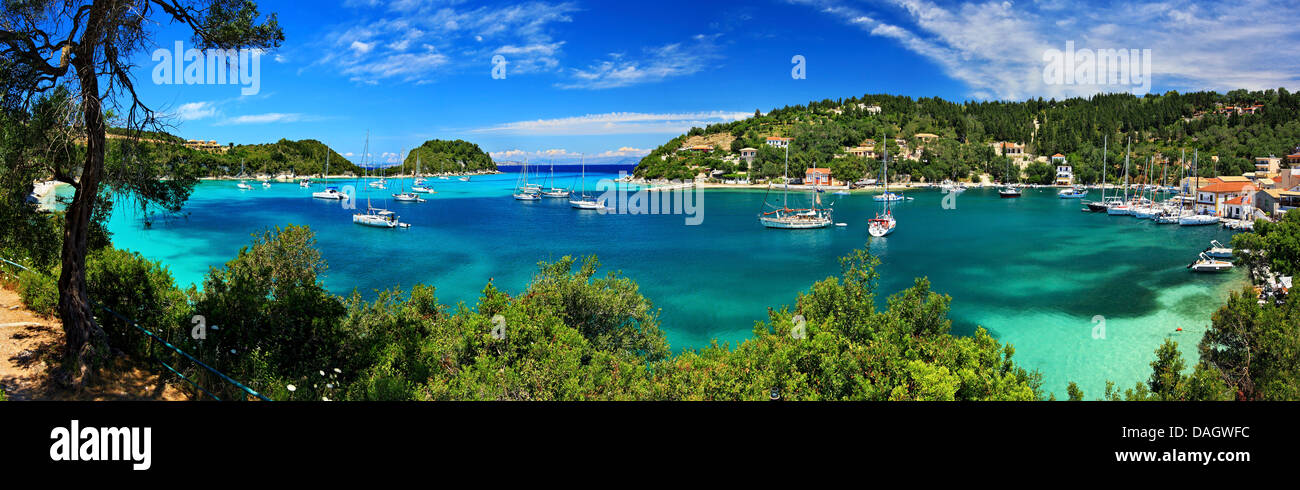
(445, 157)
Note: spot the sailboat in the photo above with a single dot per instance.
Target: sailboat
(583, 201)
(555, 192)
(375, 217)
(419, 185)
(1169, 215)
(1197, 219)
(466, 178)
(404, 196)
(523, 190)
(1009, 191)
(243, 184)
(331, 192)
(884, 224)
(886, 196)
(1118, 207)
(1100, 206)
(795, 219)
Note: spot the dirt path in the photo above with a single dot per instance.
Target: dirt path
(30, 345)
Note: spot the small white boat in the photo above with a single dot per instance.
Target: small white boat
(1073, 193)
(464, 179)
(266, 185)
(1208, 264)
(1009, 192)
(423, 190)
(1218, 251)
(244, 185)
(407, 197)
(304, 183)
(329, 193)
(1198, 220)
(587, 204)
(887, 197)
(556, 193)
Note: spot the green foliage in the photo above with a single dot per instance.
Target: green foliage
(1039, 173)
(275, 323)
(1169, 383)
(302, 157)
(1274, 244)
(1076, 127)
(1255, 348)
(443, 156)
(138, 289)
(39, 291)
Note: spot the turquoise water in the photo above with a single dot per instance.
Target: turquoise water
(1034, 271)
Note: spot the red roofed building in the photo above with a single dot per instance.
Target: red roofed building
(1214, 198)
(817, 176)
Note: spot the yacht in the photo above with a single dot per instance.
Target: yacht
(1218, 251)
(1209, 264)
(330, 193)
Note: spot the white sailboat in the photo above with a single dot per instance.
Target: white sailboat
(1100, 206)
(553, 191)
(523, 190)
(884, 223)
(583, 201)
(243, 184)
(404, 196)
(419, 186)
(887, 196)
(372, 216)
(1008, 191)
(1197, 219)
(1118, 207)
(786, 218)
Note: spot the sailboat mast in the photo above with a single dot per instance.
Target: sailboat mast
(785, 198)
(1105, 142)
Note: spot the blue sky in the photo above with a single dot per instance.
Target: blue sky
(613, 79)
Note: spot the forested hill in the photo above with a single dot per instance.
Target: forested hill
(1236, 127)
(303, 157)
(449, 156)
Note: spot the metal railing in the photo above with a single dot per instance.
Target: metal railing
(155, 338)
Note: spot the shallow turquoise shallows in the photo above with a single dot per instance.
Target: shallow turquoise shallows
(1035, 271)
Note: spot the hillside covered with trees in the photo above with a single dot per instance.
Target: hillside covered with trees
(448, 156)
(1235, 127)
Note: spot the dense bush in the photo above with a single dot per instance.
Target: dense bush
(138, 289)
(39, 291)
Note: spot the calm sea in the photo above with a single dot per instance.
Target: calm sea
(1035, 271)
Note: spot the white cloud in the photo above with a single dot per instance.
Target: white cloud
(996, 48)
(194, 111)
(417, 40)
(560, 155)
(268, 118)
(654, 65)
(616, 123)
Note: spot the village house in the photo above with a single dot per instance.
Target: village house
(1064, 173)
(748, 155)
(1293, 160)
(1267, 165)
(1276, 201)
(818, 176)
(210, 146)
(778, 142)
(1213, 198)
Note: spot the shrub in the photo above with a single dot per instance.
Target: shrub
(40, 292)
(138, 289)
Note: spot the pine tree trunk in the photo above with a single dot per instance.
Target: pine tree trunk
(85, 339)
